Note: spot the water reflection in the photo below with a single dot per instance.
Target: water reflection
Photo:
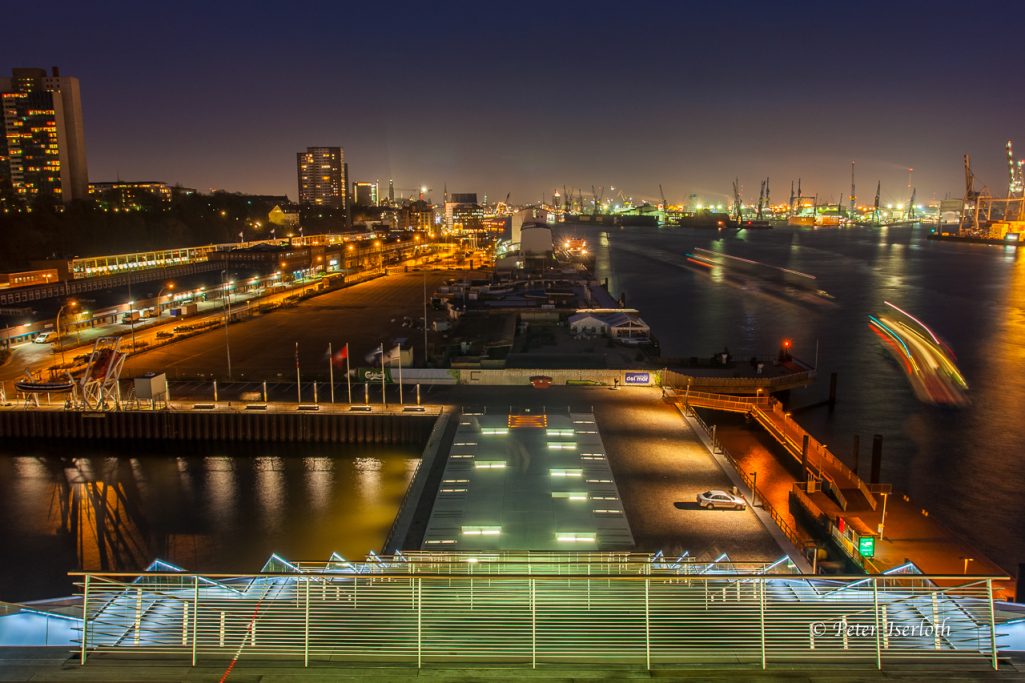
(223, 511)
(960, 464)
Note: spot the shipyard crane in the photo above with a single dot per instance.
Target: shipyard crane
(598, 195)
(665, 204)
(791, 198)
(875, 205)
(736, 200)
(910, 213)
(761, 199)
(1016, 184)
(852, 191)
(768, 202)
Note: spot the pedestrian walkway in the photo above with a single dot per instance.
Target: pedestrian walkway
(832, 495)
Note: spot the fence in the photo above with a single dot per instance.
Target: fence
(579, 610)
(781, 520)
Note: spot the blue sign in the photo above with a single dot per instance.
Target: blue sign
(637, 378)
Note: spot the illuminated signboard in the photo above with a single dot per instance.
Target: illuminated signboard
(637, 378)
(867, 546)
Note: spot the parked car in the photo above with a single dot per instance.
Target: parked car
(721, 499)
(45, 338)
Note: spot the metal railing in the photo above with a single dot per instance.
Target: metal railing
(781, 521)
(541, 609)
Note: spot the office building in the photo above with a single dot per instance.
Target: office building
(463, 213)
(364, 194)
(321, 177)
(43, 148)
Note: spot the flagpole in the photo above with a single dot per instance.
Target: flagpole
(384, 397)
(298, 379)
(400, 375)
(348, 373)
(331, 370)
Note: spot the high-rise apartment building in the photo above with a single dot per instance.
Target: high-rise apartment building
(42, 152)
(321, 177)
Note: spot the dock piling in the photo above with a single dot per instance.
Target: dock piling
(804, 457)
(877, 458)
(856, 449)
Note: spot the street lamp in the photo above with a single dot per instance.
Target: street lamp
(131, 321)
(227, 318)
(60, 341)
(169, 286)
(882, 520)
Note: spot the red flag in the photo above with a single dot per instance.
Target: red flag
(340, 356)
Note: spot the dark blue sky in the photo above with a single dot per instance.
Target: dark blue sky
(525, 97)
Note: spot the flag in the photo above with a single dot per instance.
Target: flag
(340, 356)
(374, 356)
(297, 355)
(394, 354)
(240, 236)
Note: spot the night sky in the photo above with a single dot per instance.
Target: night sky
(526, 97)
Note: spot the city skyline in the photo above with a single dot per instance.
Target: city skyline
(555, 96)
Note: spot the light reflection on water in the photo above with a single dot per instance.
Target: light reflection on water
(218, 511)
(963, 465)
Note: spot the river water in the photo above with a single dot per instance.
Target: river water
(964, 465)
(217, 508)
(227, 508)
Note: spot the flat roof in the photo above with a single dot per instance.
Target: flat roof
(527, 481)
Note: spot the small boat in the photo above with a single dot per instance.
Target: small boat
(34, 387)
(540, 381)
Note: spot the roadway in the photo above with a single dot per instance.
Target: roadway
(264, 348)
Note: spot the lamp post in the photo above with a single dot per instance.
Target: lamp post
(60, 340)
(227, 318)
(131, 321)
(169, 286)
(882, 521)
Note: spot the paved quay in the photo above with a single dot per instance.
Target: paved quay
(659, 464)
(908, 534)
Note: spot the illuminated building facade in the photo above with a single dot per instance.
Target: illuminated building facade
(43, 149)
(365, 194)
(128, 194)
(463, 213)
(321, 177)
(418, 215)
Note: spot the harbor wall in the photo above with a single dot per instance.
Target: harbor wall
(279, 427)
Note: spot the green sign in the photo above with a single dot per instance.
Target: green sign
(373, 375)
(867, 546)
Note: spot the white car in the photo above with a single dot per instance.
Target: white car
(721, 499)
(44, 338)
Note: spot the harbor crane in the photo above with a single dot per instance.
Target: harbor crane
(737, 214)
(875, 205)
(761, 198)
(1016, 184)
(852, 200)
